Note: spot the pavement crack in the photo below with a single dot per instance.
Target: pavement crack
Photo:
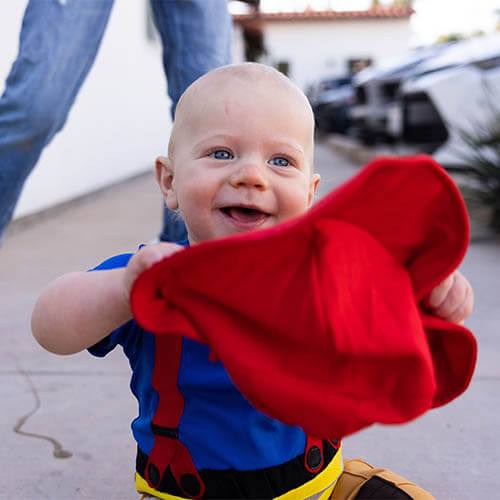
(59, 451)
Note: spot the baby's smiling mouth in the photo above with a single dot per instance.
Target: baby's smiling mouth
(245, 215)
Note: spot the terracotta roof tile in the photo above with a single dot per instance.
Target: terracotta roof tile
(309, 14)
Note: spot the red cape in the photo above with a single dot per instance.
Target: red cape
(319, 321)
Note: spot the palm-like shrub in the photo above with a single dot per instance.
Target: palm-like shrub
(482, 165)
(484, 171)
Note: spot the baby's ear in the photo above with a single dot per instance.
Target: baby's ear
(165, 179)
(312, 188)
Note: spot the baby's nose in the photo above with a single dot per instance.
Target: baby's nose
(250, 174)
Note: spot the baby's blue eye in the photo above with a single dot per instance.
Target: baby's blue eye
(221, 154)
(280, 161)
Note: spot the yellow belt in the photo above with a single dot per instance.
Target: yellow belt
(321, 485)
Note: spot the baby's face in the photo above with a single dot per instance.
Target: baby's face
(242, 159)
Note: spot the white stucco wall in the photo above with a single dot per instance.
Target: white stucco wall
(315, 48)
(238, 46)
(119, 121)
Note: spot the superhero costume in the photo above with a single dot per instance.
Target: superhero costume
(206, 415)
(354, 346)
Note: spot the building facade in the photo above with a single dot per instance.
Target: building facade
(312, 44)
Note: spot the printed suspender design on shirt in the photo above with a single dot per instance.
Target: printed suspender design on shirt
(168, 452)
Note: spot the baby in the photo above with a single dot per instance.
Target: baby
(240, 158)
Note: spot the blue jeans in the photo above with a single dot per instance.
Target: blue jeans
(58, 44)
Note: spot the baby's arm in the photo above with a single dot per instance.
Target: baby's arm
(79, 309)
(452, 299)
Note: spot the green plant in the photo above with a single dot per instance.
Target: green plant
(483, 166)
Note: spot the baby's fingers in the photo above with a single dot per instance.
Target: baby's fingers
(452, 299)
(150, 254)
(145, 258)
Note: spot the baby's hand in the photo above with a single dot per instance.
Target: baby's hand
(145, 258)
(452, 299)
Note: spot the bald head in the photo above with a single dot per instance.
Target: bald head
(250, 80)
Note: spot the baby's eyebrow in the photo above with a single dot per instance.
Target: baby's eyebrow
(288, 149)
(217, 140)
(216, 137)
(287, 146)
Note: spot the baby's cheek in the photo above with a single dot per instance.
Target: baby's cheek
(295, 203)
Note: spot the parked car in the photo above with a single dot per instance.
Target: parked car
(376, 113)
(332, 111)
(321, 85)
(331, 100)
(455, 93)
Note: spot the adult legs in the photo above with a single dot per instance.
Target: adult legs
(58, 44)
(196, 37)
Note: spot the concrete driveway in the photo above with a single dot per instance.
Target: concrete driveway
(65, 421)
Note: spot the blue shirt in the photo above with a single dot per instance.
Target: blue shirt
(219, 427)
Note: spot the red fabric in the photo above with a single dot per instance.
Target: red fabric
(170, 405)
(167, 451)
(318, 320)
